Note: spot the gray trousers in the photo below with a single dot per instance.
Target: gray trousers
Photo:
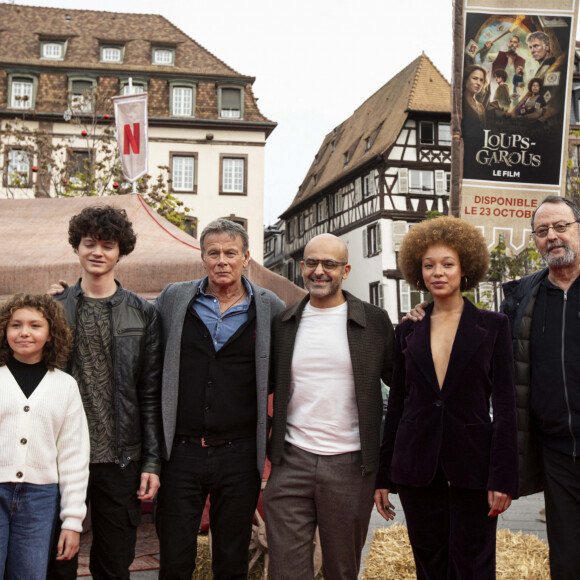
(305, 490)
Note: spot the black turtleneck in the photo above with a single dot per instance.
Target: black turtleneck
(28, 376)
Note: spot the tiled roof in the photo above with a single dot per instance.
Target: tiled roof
(419, 87)
(21, 28)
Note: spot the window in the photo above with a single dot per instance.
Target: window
(183, 173)
(233, 175)
(230, 103)
(182, 101)
(52, 50)
(291, 229)
(375, 294)
(290, 270)
(426, 133)
(237, 220)
(444, 137)
(371, 240)
(112, 53)
(301, 225)
(338, 200)
(421, 181)
(409, 297)
(81, 95)
(164, 56)
(17, 172)
(191, 225)
(22, 90)
(79, 166)
(137, 89)
(322, 211)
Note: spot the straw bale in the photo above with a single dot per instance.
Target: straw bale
(518, 556)
(203, 564)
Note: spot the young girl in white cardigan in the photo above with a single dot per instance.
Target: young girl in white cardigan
(44, 440)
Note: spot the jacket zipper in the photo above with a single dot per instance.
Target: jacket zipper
(564, 378)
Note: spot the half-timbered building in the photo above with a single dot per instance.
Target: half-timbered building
(376, 174)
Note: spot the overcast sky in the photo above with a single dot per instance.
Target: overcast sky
(315, 61)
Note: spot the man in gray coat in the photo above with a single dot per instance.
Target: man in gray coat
(216, 336)
(329, 354)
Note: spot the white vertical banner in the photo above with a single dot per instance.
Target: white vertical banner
(132, 134)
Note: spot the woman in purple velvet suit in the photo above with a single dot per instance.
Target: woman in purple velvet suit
(454, 467)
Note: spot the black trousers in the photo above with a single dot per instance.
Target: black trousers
(450, 532)
(229, 475)
(562, 496)
(115, 515)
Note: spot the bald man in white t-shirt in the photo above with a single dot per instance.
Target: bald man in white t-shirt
(329, 354)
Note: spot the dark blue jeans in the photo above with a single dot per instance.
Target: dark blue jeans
(27, 517)
(229, 475)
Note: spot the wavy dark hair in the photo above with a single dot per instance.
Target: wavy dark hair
(55, 351)
(455, 233)
(103, 223)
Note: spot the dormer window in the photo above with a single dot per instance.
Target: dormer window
(164, 56)
(112, 53)
(52, 50)
(346, 158)
(230, 103)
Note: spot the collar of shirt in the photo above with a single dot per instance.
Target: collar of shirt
(221, 326)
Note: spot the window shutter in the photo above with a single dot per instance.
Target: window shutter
(231, 98)
(365, 244)
(379, 244)
(357, 190)
(403, 180)
(440, 181)
(372, 188)
(405, 296)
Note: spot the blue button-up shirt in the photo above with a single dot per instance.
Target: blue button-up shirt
(221, 326)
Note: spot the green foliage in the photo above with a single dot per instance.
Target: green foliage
(86, 163)
(431, 214)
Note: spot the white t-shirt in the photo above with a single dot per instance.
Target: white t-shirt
(322, 411)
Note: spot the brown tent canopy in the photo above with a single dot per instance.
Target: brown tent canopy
(35, 251)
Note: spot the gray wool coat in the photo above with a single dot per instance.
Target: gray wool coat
(172, 305)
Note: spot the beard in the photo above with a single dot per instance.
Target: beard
(567, 259)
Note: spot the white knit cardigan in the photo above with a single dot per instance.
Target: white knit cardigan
(45, 439)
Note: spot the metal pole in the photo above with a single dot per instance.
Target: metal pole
(456, 111)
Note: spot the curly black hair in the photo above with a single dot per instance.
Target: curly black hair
(56, 350)
(455, 233)
(103, 223)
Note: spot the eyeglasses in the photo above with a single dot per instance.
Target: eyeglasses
(327, 265)
(559, 228)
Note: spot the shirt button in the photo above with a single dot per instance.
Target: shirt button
(26, 409)
(19, 474)
(24, 441)
(206, 409)
(438, 403)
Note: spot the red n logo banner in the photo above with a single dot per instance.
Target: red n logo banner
(131, 123)
(132, 139)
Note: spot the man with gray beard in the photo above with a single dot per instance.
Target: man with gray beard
(544, 312)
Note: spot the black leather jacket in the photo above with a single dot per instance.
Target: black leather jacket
(137, 368)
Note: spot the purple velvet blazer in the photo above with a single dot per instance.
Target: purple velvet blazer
(426, 425)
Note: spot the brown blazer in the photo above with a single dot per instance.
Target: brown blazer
(371, 343)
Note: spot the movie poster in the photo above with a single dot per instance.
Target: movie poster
(515, 84)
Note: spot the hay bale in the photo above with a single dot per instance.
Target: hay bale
(521, 557)
(203, 563)
(390, 555)
(518, 556)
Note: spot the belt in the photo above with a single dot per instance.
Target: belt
(203, 441)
